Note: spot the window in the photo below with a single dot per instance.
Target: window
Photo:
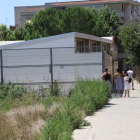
(94, 47)
(80, 46)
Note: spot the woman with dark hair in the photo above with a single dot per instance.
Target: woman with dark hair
(123, 73)
(118, 81)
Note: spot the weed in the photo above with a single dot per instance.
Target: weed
(57, 128)
(55, 90)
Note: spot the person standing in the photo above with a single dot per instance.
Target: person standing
(131, 77)
(118, 80)
(126, 84)
(106, 76)
(123, 73)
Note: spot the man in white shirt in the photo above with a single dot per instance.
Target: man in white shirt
(131, 76)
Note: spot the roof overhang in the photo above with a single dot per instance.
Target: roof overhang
(91, 37)
(86, 3)
(53, 38)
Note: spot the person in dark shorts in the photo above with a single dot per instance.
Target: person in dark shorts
(106, 76)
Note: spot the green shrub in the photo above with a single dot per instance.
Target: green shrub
(84, 102)
(90, 94)
(5, 104)
(48, 101)
(57, 128)
(16, 91)
(73, 113)
(67, 118)
(55, 89)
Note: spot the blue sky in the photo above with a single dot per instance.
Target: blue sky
(7, 8)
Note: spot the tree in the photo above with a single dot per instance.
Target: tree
(6, 34)
(20, 33)
(73, 19)
(45, 23)
(78, 19)
(130, 39)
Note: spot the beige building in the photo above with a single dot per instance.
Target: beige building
(126, 9)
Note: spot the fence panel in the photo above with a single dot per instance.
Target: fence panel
(28, 66)
(68, 65)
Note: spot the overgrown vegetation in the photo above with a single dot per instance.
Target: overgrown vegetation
(22, 116)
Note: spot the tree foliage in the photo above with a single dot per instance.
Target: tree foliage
(6, 34)
(20, 33)
(130, 39)
(72, 19)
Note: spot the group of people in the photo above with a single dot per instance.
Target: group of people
(126, 77)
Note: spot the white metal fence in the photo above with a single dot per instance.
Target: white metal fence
(41, 66)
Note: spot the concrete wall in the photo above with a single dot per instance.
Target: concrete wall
(127, 12)
(17, 11)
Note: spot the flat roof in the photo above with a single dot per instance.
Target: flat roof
(9, 42)
(53, 38)
(33, 9)
(90, 2)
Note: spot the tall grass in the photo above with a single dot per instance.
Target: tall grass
(23, 112)
(18, 123)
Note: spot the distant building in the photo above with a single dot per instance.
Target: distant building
(126, 9)
(24, 14)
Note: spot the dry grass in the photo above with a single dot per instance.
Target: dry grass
(6, 129)
(24, 122)
(83, 114)
(53, 109)
(19, 123)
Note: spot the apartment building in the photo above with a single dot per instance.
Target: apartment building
(126, 9)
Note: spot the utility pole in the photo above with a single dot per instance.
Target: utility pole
(6, 22)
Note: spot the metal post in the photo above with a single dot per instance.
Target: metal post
(1, 66)
(51, 67)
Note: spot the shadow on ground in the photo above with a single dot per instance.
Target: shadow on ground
(114, 92)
